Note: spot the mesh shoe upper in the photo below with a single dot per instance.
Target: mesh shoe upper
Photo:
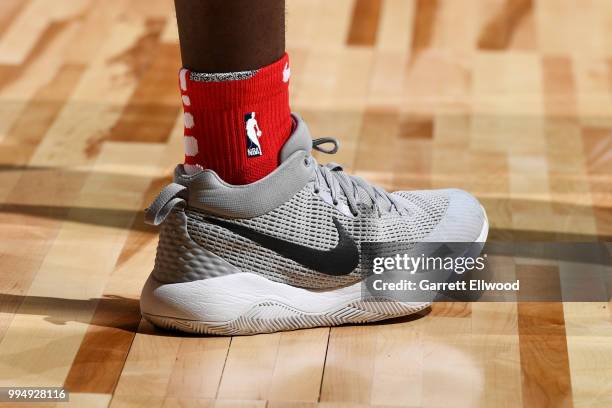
(306, 218)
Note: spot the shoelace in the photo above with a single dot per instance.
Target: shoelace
(338, 182)
(329, 175)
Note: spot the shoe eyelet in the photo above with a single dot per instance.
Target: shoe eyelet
(316, 191)
(335, 202)
(306, 162)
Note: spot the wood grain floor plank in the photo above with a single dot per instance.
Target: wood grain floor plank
(19, 261)
(103, 351)
(597, 144)
(151, 111)
(543, 344)
(451, 34)
(301, 22)
(446, 351)
(97, 22)
(42, 109)
(30, 24)
(132, 269)
(25, 189)
(198, 367)
(249, 367)
(149, 366)
(588, 332)
(136, 401)
(433, 83)
(351, 88)
(425, 14)
(65, 331)
(379, 131)
(546, 377)
(395, 28)
(9, 10)
(399, 363)
(153, 64)
(386, 91)
(349, 367)
(592, 84)
(508, 99)
(332, 24)
(20, 188)
(299, 366)
(498, 32)
(20, 84)
(86, 400)
(495, 344)
(364, 23)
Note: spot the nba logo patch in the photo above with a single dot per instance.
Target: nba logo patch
(253, 133)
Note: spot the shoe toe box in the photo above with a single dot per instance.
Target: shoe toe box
(458, 215)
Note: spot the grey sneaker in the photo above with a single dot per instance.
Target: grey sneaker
(284, 252)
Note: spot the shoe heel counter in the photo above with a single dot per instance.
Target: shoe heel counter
(180, 259)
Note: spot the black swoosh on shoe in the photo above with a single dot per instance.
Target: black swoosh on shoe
(338, 261)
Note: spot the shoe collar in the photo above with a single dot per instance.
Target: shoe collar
(300, 139)
(209, 193)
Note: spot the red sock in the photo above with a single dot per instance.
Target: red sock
(236, 123)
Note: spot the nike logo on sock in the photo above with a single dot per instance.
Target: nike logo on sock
(338, 261)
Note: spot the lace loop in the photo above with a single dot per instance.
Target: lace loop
(316, 144)
(341, 184)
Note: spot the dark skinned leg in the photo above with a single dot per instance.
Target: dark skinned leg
(230, 35)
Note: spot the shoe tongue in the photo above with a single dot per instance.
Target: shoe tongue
(299, 140)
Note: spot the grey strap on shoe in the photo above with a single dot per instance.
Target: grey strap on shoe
(172, 195)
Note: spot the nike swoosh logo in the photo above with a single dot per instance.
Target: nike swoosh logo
(338, 261)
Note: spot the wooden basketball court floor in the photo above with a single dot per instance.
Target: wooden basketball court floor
(509, 99)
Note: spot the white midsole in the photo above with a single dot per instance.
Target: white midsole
(484, 232)
(228, 297)
(225, 298)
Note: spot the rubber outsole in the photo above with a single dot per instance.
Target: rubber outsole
(267, 317)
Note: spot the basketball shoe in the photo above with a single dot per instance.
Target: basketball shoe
(283, 253)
